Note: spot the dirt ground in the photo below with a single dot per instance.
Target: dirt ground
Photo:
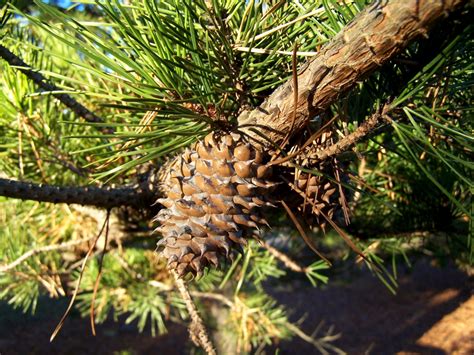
(433, 313)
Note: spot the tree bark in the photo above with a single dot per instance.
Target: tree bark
(375, 36)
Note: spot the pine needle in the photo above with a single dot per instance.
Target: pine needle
(78, 282)
(343, 200)
(303, 233)
(99, 275)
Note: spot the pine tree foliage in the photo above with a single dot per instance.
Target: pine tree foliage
(161, 75)
(174, 59)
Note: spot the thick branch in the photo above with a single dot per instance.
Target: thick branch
(105, 197)
(375, 36)
(41, 81)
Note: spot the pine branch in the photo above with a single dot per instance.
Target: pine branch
(374, 37)
(139, 196)
(197, 329)
(43, 83)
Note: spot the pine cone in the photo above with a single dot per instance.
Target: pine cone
(214, 193)
(323, 192)
(322, 197)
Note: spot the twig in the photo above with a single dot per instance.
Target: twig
(344, 144)
(351, 139)
(106, 197)
(43, 83)
(320, 343)
(32, 252)
(285, 259)
(213, 296)
(197, 329)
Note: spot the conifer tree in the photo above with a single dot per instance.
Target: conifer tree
(202, 124)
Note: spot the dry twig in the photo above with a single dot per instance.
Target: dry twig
(46, 248)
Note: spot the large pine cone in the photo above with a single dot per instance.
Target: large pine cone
(214, 193)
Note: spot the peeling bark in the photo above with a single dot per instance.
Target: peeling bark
(375, 36)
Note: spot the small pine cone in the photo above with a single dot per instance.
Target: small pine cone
(323, 193)
(214, 193)
(322, 197)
